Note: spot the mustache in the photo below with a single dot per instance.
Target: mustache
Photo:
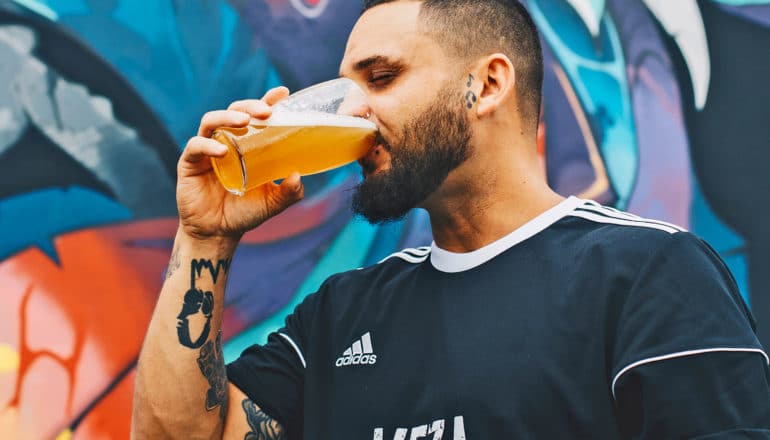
(380, 139)
(368, 166)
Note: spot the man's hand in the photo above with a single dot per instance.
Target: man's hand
(206, 209)
(181, 388)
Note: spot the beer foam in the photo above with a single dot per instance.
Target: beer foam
(294, 119)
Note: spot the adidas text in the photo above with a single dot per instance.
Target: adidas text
(358, 359)
(360, 352)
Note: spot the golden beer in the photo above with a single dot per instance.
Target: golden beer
(307, 142)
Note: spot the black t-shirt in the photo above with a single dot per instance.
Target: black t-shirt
(586, 322)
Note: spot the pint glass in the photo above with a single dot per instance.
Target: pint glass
(311, 131)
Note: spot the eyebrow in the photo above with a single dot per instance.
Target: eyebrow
(375, 60)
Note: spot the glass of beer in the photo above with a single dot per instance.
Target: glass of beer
(311, 131)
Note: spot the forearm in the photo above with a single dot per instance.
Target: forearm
(181, 385)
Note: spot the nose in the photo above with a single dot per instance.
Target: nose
(360, 110)
(355, 104)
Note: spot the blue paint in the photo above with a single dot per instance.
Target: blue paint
(596, 69)
(39, 7)
(742, 2)
(384, 243)
(145, 18)
(722, 238)
(62, 7)
(570, 25)
(229, 19)
(35, 219)
(599, 6)
(273, 79)
(172, 31)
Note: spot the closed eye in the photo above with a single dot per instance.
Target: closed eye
(380, 80)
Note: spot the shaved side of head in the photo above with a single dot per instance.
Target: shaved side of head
(470, 29)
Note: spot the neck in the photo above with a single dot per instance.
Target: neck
(469, 213)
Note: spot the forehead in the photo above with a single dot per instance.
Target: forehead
(390, 30)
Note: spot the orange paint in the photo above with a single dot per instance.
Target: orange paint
(75, 327)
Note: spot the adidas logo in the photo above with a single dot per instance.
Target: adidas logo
(360, 353)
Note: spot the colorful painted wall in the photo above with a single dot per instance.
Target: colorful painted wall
(654, 106)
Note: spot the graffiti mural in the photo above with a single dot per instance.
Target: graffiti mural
(651, 106)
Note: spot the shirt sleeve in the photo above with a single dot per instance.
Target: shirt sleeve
(686, 361)
(272, 375)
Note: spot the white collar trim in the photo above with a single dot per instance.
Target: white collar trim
(452, 262)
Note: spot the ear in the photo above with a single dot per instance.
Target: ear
(496, 80)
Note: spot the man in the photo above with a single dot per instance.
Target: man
(531, 315)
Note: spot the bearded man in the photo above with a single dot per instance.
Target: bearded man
(530, 316)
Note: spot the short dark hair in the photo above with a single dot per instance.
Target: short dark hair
(474, 28)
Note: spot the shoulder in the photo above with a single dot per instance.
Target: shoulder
(626, 250)
(389, 268)
(619, 234)
(606, 219)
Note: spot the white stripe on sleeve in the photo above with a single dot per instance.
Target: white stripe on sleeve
(682, 354)
(296, 348)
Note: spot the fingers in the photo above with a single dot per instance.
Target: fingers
(275, 94)
(222, 118)
(239, 113)
(199, 148)
(289, 192)
(254, 107)
(292, 188)
(279, 197)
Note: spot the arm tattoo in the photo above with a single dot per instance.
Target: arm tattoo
(212, 365)
(173, 263)
(197, 300)
(470, 97)
(263, 427)
(197, 266)
(210, 361)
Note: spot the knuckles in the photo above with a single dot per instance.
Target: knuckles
(234, 105)
(192, 144)
(210, 117)
(250, 106)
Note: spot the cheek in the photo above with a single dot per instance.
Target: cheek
(391, 112)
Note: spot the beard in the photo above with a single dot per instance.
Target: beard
(429, 147)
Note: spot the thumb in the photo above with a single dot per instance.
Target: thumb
(293, 188)
(289, 191)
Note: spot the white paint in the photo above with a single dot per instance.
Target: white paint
(682, 20)
(40, 8)
(18, 38)
(7, 121)
(591, 12)
(103, 107)
(308, 11)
